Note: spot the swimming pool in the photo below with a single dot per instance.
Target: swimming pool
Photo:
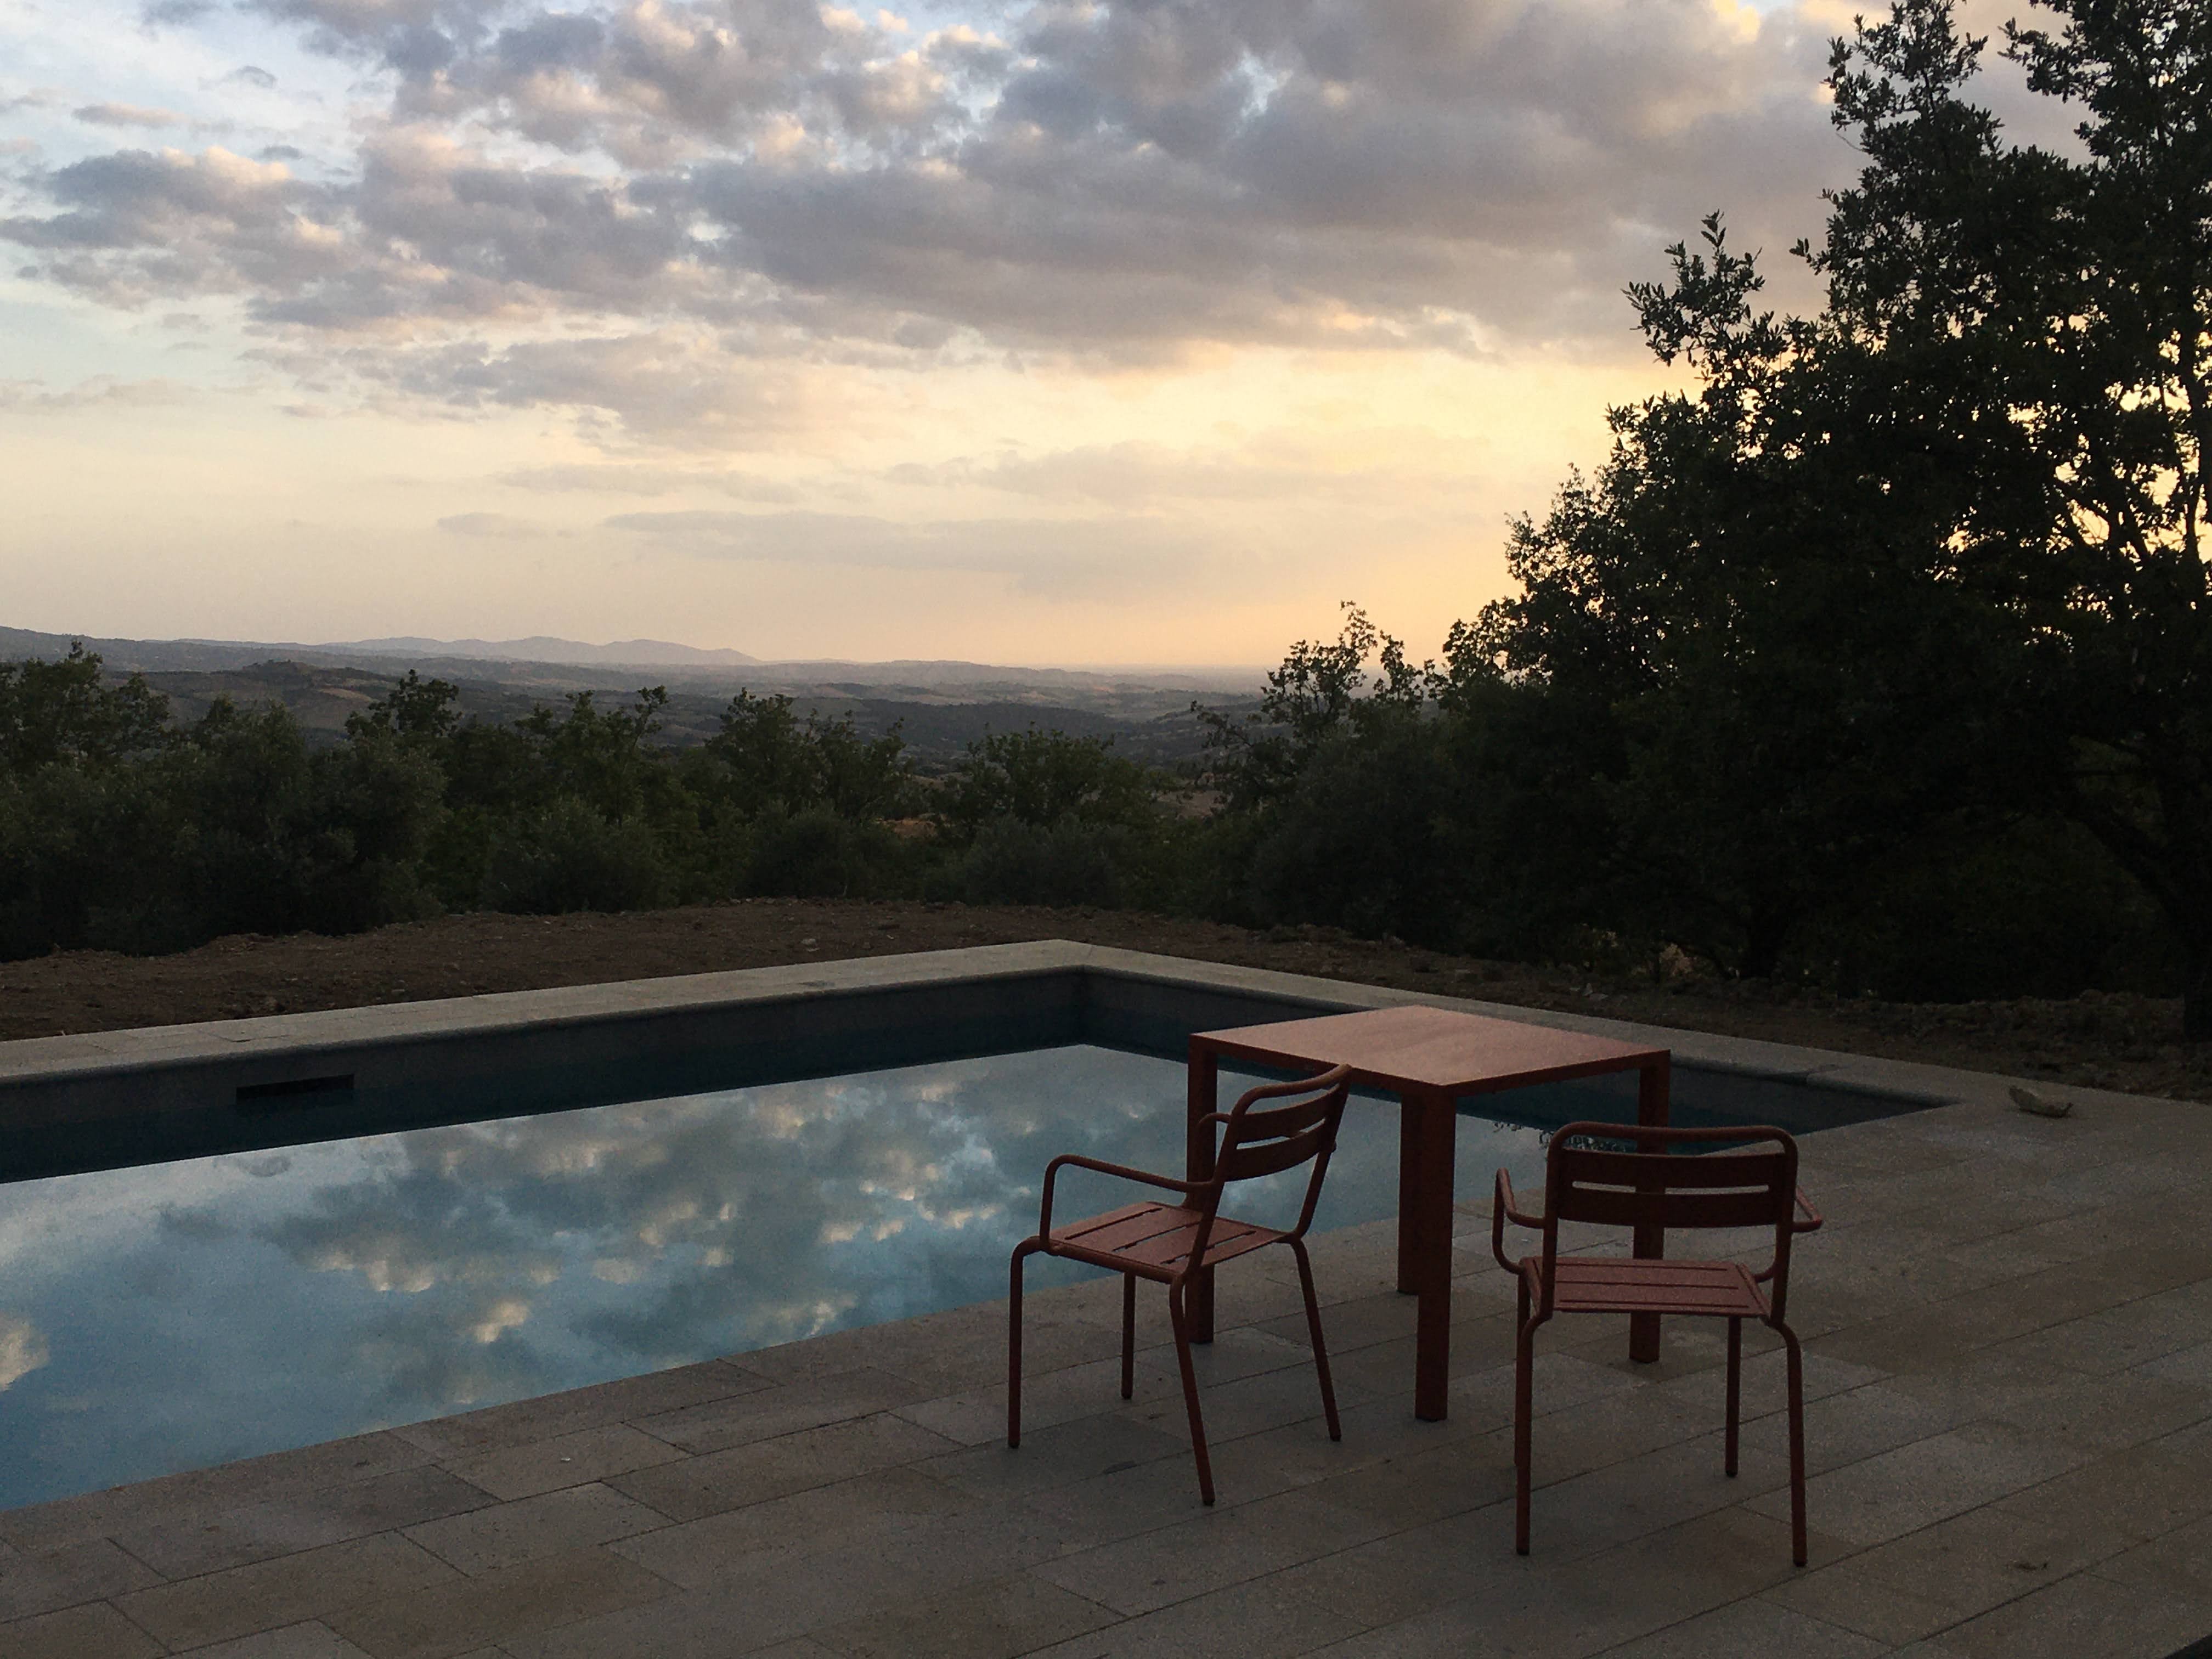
(177, 1315)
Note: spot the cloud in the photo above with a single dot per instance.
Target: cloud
(497, 525)
(136, 225)
(101, 392)
(630, 208)
(1268, 467)
(170, 14)
(23, 1350)
(632, 480)
(127, 115)
(1052, 558)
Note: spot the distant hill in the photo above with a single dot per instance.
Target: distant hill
(538, 648)
(549, 661)
(939, 707)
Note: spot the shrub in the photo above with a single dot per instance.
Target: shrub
(565, 857)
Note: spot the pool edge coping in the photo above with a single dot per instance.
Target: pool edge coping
(29, 1062)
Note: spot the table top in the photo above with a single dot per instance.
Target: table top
(1424, 1048)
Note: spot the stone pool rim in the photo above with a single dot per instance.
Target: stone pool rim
(181, 1089)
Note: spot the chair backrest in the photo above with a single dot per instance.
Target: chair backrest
(1257, 1140)
(1754, 1184)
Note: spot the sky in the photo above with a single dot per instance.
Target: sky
(1045, 331)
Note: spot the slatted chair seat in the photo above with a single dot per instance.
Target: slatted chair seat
(1157, 1241)
(1601, 1284)
(1153, 1240)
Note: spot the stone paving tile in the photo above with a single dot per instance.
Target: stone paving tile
(2113, 1339)
(89, 1572)
(2132, 1496)
(1209, 1551)
(2187, 1365)
(1059, 1455)
(1482, 1341)
(569, 1460)
(1417, 1569)
(1427, 1486)
(201, 1491)
(993, 1620)
(463, 1614)
(2109, 1413)
(1849, 1428)
(1350, 1326)
(259, 1532)
(1054, 1397)
(311, 1640)
(1613, 1428)
(2180, 1562)
(96, 1630)
(1752, 1629)
(785, 1409)
(842, 1521)
(1976, 1561)
(2084, 1617)
(1623, 1501)
(555, 1414)
(241, 1601)
(1261, 1621)
(945, 1353)
(1901, 1492)
(1124, 1502)
(771, 1596)
(507, 1535)
(1246, 1404)
(1840, 1594)
(750, 1473)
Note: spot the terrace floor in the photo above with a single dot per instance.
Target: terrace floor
(2009, 1351)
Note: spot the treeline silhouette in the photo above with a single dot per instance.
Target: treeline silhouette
(1882, 657)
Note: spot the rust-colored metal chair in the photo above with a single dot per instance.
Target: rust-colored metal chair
(1165, 1243)
(1754, 1187)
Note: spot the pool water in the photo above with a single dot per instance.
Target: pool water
(174, 1315)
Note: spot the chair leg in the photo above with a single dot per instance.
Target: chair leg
(1190, 1392)
(1014, 1344)
(1128, 1335)
(1320, 1348)
(1735, 1387)
(1524, 1364)
(1796, 1444)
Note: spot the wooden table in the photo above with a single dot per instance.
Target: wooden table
(1429, 1058)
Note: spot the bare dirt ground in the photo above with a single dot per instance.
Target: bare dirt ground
(2112, 1041)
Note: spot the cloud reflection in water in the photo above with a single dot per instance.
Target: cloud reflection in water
(180, 1315)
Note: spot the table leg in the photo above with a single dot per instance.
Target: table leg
(1203, 1097)
(1650, 1242)
(1409, 1196)
(1437, 1121)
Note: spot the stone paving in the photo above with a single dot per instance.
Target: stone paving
(2009, 1325)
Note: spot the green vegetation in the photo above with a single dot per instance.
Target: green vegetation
(1882, 658)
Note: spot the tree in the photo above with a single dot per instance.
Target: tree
(2046, 324)
(1321, 689)
(1043, 779)
(1742, 634)
(64, 713)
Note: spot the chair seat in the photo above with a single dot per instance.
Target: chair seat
(1153, 1240)
(1617, 1285)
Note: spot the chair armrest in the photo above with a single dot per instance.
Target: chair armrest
(1502, 1209)
(1052, 1175)
(1811, 1221)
